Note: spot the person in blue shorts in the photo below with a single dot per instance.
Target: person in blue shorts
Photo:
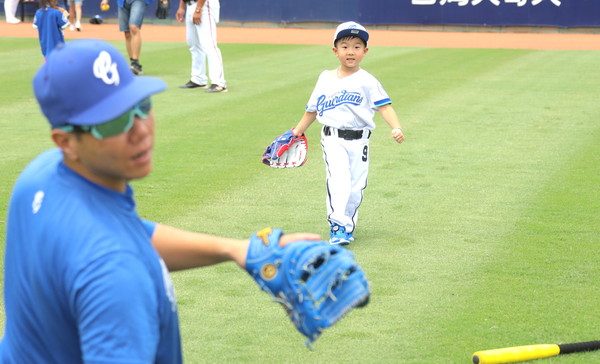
(75, 10)
(86, 279)
(131, 17)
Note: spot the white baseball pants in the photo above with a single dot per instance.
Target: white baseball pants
(347, 167)
(202, 42)
(10, 10)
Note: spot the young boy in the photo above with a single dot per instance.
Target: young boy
(50, 20)
(344, 100)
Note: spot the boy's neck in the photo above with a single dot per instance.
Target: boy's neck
(345, 72)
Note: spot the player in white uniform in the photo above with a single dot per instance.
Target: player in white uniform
(10, 10)
(344, 100)
(201, 18)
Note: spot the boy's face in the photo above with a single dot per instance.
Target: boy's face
(350, 51)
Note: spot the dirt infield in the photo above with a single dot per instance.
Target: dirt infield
(399, 38)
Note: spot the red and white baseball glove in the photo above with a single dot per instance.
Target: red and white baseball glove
(286, 151)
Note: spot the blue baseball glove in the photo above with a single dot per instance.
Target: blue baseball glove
(286, 151)
(315, 282)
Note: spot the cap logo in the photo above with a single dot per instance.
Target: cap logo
(353, 31)
(105, 69)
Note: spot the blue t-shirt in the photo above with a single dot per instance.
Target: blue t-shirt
(50, 23)
(82, 282)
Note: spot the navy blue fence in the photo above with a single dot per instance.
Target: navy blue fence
(561, 13)
(557, 13)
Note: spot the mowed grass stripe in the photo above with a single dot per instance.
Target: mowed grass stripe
(221, 137)
(484, 181)
(550, 267)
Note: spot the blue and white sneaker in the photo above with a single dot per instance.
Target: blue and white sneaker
(350, 236)
(338, 235)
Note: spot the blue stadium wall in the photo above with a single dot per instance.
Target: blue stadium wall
(555, 13)
(559, 13)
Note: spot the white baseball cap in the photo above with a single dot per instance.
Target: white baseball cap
(350, 28)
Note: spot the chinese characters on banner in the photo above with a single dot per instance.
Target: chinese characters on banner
(477, 2)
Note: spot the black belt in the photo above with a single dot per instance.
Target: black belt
(346, 134)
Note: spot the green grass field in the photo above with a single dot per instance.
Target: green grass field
(481, 231)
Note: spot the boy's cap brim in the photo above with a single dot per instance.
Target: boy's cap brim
(351, 29)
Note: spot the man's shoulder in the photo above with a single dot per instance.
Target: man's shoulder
(36, 177)
(44, 162)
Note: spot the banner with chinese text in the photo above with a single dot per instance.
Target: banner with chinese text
(559, 13)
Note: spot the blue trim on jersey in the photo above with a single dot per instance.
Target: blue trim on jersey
(383, 102)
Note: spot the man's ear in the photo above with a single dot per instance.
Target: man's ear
(65, 141)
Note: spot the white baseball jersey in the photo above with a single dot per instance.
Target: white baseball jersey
(349, 102)
(346, 107)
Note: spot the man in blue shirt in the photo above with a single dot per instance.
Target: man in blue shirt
(86, 279)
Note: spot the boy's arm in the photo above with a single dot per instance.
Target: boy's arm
(307, 119)
(389, 115)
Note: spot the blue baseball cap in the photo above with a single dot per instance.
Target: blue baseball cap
(351, 29)
(96, 19)
(89, 82)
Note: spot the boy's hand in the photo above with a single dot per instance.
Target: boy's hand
(398, 135)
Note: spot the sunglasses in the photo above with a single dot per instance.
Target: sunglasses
(117, 126)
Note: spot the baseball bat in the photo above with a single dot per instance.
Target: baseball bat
(530, 352)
